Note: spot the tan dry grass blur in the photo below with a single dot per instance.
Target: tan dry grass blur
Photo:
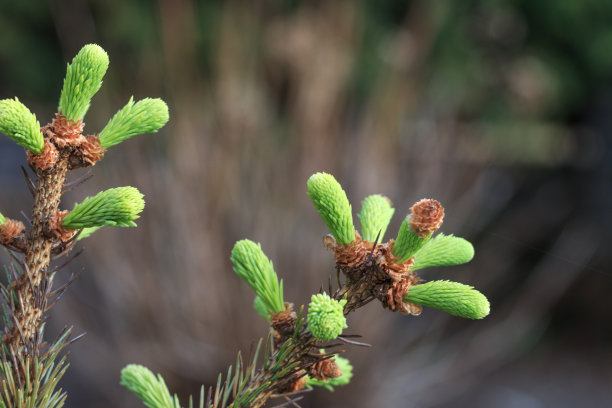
(274, 106)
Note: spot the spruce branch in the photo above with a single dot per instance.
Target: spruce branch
(376, 213)
(21, 125)
(454, 298)
(443, 250)
(83, 80)
(29, 369)
(145, 116)
(118, 206)
(333, 206)
(252, 265)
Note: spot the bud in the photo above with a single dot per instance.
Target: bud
(326, 317)
(425, 218)
(151, 390)
(452, 297)
(443, 250)
(145, 116)
(83, 80)
(21, 125)
(347, 373)
(333, 206)
(114, 207)
(252, 265)
(375, 215)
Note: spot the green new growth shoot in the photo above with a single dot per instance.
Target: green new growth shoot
(326, 317)
(145, 116)
(150, 389)
(21, 125)
(443, 250)
(86, 232)
(333, 206)
(83, 80)
(407, 242)
(261, 308)
(114, 207)
(252, 265)
(375, 215)
(454, 298)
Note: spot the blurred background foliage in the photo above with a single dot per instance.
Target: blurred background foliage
(500, 109)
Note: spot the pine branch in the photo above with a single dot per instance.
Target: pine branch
(295, 356)
(29, 372)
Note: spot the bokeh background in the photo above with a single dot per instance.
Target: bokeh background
(502, 110)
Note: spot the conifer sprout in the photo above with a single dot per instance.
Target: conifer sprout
(347, 373)
(454, 298)
(83, 80)
(333, 206)
(21, 125)
(260, 308)
(150, 389)
(252, 265)
(407, 242)
(145, 116)
(376, 213)
(425, 218)
(86, 232)
(118, 207)
(443, 250)
(326, 317)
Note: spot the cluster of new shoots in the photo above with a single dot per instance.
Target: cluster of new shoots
(414, 248)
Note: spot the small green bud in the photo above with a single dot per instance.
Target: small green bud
(326, 317)
(347, 373)
(260, 308)
(151, 390)
(443, 250)
(2, 219)
(452, 297)
(83, 80)
(333, 206)
(252, 265)
(86, 232)
(114, 207)
(375, 215)
(21, 125)
(145, 116)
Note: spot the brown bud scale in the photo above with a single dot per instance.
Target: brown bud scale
(10, 231)
(426, 217)
(55, 228)
(64, 132)
(324, 369)
(46, 159)
(284, 322)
